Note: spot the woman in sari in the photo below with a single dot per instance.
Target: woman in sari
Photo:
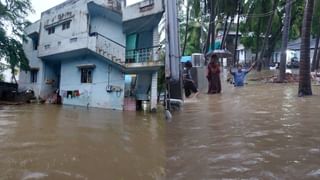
(213, 76)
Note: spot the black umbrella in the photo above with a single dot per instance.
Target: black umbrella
(220, 53)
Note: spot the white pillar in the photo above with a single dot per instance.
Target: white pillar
(154, 91)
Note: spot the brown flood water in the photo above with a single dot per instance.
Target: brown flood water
(56, 142)
(261, 131)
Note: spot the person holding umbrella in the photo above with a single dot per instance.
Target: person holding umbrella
(213, 69)
(213, 75)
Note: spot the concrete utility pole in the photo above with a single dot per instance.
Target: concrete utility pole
(173, 65)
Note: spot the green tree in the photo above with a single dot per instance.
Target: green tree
(255, 23)
(190, 26)
(12, 15)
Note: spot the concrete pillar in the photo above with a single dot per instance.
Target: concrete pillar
(154, 91)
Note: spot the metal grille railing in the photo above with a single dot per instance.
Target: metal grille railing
(109, 48)
(143, 55)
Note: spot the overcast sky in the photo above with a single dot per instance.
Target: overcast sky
(41, 5)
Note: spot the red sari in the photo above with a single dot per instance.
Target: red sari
(214, 78)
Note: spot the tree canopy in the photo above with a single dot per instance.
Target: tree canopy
(12, 24)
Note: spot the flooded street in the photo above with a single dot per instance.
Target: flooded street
(261, 131)
(56, 142)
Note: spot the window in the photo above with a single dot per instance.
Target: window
(33, 75)
(86, 75)
(51, 30)
(47, 46)
(66, 25)
(35, 44)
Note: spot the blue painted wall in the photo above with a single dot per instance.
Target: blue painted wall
(92, 94)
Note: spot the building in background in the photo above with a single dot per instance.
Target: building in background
(96, 53)
(293, 50)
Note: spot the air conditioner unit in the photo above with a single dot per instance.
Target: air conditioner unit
(198, 60)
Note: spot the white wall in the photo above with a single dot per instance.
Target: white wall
(108, 28)
(133, 11)
(78, 26)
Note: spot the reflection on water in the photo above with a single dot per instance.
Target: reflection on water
(54, 142)
(261, 131)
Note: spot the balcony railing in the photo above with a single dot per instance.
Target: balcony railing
(146, 5)
(109, 48)
(143, 55)
(114, 5)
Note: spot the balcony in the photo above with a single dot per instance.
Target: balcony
(147, 14)
(33, 30)
(130, 60)
(103, 47)
(63, 46)
(143, 57)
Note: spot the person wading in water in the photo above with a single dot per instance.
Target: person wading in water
(213, 76)
(189, 86)
(240, 75)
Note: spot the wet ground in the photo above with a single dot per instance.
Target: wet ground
(261, 131)
(56, 142)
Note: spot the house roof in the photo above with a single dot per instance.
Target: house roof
(296, 44)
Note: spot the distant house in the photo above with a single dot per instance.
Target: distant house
(96, 53)
(244, 55)
(293, 50)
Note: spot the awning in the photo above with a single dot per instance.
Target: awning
(86, 66)
(34, 68)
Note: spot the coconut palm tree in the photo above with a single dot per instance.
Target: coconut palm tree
(305, 79)
(285, 38)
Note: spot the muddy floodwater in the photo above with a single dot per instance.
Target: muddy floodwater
(261, 131)
(56, 142)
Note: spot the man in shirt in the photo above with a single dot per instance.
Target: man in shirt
(240, 75)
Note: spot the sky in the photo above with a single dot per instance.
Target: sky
(39, 6)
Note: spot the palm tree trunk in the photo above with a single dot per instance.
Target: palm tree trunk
(186, 31)
(228, 30)
(318, 60)
(235, 59)
(224, 32)
(314, 59)
(315, 62)
(259, 63)
(305, 79)
(212, 23)
(284, 43)
(211, 31)
(13, 77)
